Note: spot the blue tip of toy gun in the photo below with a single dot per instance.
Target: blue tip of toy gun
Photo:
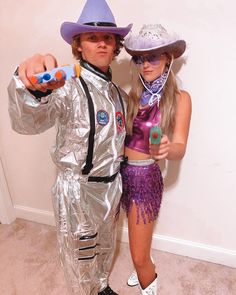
(57, 74)
(47, 77)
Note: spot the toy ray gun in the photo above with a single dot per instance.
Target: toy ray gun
(57, 74)
(155, 135)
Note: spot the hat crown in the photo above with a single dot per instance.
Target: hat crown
(96, 11)
(154, 32)
(150, 36)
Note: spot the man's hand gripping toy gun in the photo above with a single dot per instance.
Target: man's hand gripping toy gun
(57, 74)
(155, 135)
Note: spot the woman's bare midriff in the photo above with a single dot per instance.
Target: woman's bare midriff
(135, 155)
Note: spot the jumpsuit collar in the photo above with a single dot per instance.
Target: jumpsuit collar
(106, 76)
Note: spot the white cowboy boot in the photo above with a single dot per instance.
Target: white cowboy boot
(151, 289)
(133, 279)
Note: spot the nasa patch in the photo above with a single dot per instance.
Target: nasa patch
(102, 117)
(120, 121)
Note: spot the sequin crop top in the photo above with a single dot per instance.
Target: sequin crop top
(145, 119)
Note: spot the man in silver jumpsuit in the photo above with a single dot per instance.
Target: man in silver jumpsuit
(89, 114)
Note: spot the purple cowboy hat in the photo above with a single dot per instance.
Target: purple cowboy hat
(96, 16)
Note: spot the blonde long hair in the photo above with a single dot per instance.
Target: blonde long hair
(168, 102)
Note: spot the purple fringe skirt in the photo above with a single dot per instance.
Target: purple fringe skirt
(142, 185)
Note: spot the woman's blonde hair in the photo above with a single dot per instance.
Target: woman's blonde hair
(168, 102)
(76, 43)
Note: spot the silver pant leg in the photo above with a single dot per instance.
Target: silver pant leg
(107, 242)
(86, 216)
(105, 203)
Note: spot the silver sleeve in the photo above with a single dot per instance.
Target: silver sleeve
(29, 115)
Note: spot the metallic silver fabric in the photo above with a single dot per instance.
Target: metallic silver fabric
(141, 162)
(85, 212)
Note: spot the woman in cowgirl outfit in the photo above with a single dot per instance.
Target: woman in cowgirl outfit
(155, 100)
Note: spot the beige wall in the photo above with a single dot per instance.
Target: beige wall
(198, 213)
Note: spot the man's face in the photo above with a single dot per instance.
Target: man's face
(98, 49)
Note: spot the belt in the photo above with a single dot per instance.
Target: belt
(105, 179)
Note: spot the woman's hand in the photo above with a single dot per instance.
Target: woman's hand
(36, 64)
(160, 151)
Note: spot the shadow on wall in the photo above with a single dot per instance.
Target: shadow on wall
(121, 73)
(178, 63)
(170, 171)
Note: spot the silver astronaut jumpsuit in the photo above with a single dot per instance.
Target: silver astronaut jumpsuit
(86, 208)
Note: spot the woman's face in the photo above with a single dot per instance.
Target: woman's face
(150, 65)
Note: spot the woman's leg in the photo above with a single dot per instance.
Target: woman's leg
(140, 239)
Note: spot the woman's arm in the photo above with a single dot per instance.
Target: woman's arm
(175, 149)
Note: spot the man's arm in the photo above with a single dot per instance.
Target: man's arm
(33, 108)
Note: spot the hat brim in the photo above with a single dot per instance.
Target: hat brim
(176, 49)
(69, 30)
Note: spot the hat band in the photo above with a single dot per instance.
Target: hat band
(100, 24)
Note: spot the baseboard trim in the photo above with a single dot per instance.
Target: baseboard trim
(188, 248)
(164, 243)
(32, 214)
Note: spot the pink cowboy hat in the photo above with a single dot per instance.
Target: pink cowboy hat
(155, 38)
(96, 16)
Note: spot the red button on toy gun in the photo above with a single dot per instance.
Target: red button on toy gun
(57, 74)
(155, 135)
